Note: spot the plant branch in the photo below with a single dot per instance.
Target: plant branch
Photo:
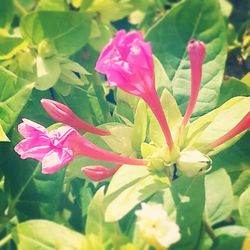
(19, 8)
(5, 240)
(209, 231)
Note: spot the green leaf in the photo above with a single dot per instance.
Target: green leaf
(33, 195)
(228, 242)
(47, 235)
(169, 37)
(233, 87)
(230, 237)
(96, 225)
(197, 127)
(219, 196)
(244, 207)
(120, 140)
(140, 125)
(9, 46)
(236, 158)
(111, 10)
(130, 186)
(101, 34)
(6, 12)
(14, 95)
(223, 122)
(48, 72)
(68, 37)
(58, 5)
(185, 202)
(161, 78)
(3, 136)
(242, 182)
(89, 102)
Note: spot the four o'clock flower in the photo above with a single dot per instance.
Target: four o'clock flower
(58, 147)
(128, 64)
(65, 115)
(50, 148)
(196, 51)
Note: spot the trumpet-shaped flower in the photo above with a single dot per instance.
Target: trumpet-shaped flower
(155, 226)
(57, 148)
(99, 172)
(65, 115)
(196, 51)
(48, 147)
(128, 64)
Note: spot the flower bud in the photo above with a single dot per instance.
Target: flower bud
(99, 172)
(196, 51)
(65, 115)
(193, 162)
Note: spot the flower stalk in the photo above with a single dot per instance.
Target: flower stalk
(243, 125)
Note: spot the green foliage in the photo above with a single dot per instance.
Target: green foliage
(6, 13)
(35, 234)
(14, 95)
(129, 186)
(184, 197)
(66, 37)
(244, 207)
(219, 196)
(169, 38)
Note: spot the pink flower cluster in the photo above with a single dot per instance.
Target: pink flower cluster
(127, 63)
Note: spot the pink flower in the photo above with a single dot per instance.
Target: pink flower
(99, 172)
(243, 125)
(65, 115)
(44, 146)
(57, 148)
(128, 64)
(196, 51)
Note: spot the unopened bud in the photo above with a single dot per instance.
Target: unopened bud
(193, 162)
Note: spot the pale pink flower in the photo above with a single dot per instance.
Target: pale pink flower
(46, 147)
(196, 51)
(127, 63)
(65, 115)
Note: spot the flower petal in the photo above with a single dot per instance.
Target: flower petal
(31, 129)
(34, 148)
(56, 159)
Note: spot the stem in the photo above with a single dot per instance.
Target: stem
(155, 105)
(209, 231)
(19, 8)
(5, 240)
(81, 146)
(15, 200)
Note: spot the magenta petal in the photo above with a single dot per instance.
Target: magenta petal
(34, 148)
(60, 135)
(30, 129)
(56, 159)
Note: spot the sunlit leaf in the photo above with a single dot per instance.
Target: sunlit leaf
(169, 38)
